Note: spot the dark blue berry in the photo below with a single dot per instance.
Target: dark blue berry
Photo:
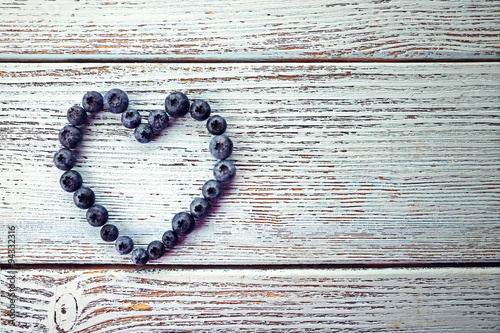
(221, 147)
(200, 208)
(84, 197)
(143, 133)
(224, 171)
(97, 216)
(158, 120)
(64, 159)
(71, 181)
(124, 244)
(70, 136)
(212, 190)
(183, 223)
(131, 118)
(177, 104)
(92, 102)
(200, 110)
(156, 250)
(109, 233)
(216, 125)
(139, 257)
(116, 101)
(170, 239)
(76, 115)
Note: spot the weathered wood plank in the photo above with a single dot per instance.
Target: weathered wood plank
(254, 31)
(337, 163)
(381, 300)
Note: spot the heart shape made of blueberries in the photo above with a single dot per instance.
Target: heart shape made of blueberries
(176, 105)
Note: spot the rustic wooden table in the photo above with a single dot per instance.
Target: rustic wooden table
(366, 136)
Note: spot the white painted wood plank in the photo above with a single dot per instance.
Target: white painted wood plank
(297, 300)
(337, 163)
(249, 30)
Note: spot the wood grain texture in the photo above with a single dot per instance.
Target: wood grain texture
(337, 163)
(222, 30)
(374, 300)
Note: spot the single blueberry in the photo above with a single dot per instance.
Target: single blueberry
(200, 109)
(84, 197)
(70, 181)
(109, 233)
(124, 244)
(131, 118)
(92, 102)
(97, 215)
(143, 133)
(216, 125)
(156, 250)
(170, 239)
(116, 101)
(176, 104)
(64, 159)
(221, 147)
(158, 120)
(76, 115)
(139, 257)
(224, 171)
(200, 208)
(183, 223)
(70, 136)
(212, 190)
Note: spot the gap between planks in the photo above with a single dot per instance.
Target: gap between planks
(28, 58)
(27, 267)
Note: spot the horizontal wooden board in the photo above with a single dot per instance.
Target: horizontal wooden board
(337, 163)
(373, 300)
(223, 30)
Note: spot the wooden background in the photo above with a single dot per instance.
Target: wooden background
(367, 144)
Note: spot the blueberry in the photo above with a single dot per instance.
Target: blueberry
(92, 102)
(221, 147)
(109, 233)
(158, 120)
(84, 197)
(212, 190)
(64, 159)
(200, 110)
(71, 181)
(183, 223)
(224, 171)
(170, 239)
(139, 257)
(177, 104)
(143, 133)
(131, 118)
(124, 244)
(216, 125)
(97, 215)
(156, 250)
(200, 208)
(70, 136)
(77, 115)
(116, 101)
